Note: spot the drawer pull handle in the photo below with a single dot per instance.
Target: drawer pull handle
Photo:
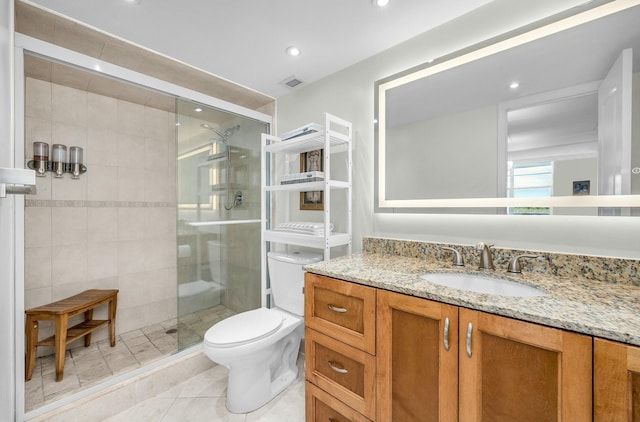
(446, 334)
(337, 309)
(338, 369)
(469, 329)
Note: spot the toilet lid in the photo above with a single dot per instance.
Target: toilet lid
(243, 328)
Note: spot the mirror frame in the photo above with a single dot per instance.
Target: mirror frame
(557, 23)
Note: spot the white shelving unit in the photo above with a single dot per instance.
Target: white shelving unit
(335, 137)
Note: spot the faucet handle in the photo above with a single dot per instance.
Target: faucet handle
(457, 260)
(514, 264)
(480, 246)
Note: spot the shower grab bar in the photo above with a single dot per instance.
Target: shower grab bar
(17, 182)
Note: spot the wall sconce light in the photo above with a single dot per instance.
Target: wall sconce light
(58, 163)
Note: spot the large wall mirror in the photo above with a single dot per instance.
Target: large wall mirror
(545, 120)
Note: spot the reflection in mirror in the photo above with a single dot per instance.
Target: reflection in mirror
(537, 122)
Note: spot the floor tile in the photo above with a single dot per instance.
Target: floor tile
(86, 366)
(150, 410)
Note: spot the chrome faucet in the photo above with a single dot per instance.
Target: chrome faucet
(514, 264)
(457, 259)
(486, 261)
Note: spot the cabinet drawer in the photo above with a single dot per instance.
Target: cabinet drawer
(343, 310)
(341, 370)
(320, 406)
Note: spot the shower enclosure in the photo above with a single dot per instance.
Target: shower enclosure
(218, 232)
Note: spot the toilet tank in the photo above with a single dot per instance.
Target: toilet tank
(287, 278)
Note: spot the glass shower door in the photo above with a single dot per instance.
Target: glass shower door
(218, 232)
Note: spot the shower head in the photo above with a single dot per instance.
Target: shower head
(225, 135)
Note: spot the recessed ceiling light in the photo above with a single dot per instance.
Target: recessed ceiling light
(514, 85)
(381, 3)
(293, 51)
(198, 110)
(133, 1)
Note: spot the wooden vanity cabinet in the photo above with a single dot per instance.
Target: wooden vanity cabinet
(512, 370)
(437, 362)
(501, 370)
(417, 359)
(340, 347)
(616, 382)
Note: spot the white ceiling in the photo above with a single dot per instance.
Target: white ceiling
(245, 40)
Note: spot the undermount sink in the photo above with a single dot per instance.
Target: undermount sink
(482, 284)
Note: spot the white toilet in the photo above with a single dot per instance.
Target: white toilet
(260, 347)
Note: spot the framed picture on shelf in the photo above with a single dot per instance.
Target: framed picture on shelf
(582, 187)
(312, 161)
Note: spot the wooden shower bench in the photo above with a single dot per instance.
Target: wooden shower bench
(60, 312)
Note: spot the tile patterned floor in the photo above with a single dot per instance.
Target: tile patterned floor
(87, 366)
(202, 398)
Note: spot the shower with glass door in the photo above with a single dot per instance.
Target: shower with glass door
(218, 231)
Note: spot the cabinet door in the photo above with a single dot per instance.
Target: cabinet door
(417, 351)
(616, 378)
(517, 371)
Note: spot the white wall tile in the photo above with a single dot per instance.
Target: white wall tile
(133, 290)
(131, 224)
(38, 99)
(102, 112)
(102, 147)
(37, 297)
(159, 186)
(68, 264)
(156, 153)
(130, 118)
(102, 183)
(66, 188)
(68, 134)
(69, 227)
(131, 151)
(69, 289)
(102, 260)
(131, 256)
(69, 105)
(130, 184)
(37, 222)
(160, 223)
(102, 224)
(160, 254)
(37, 267)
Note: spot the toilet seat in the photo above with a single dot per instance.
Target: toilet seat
(244, 328)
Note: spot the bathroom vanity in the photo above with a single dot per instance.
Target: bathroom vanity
(384, 344)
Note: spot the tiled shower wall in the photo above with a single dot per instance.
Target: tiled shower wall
(115, 227)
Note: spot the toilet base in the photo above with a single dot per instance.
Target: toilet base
(253, 384)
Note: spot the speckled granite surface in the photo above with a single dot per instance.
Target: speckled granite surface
(578, 302)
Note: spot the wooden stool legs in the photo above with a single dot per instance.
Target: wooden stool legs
(31, 329)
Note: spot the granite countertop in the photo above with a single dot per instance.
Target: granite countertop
(610, 311)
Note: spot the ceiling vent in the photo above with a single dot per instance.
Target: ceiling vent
(291, 82)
